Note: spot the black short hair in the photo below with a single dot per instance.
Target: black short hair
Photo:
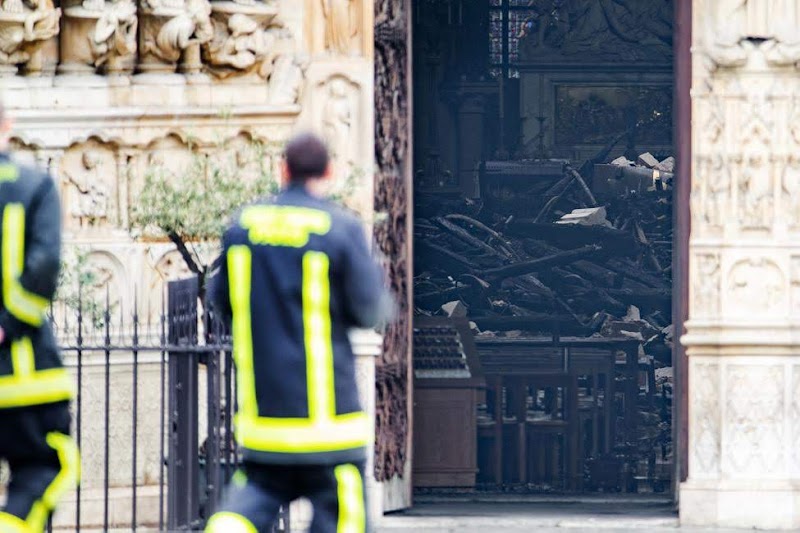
(306, 157)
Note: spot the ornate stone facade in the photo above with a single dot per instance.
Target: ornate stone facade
(744, 420)
(105, 91)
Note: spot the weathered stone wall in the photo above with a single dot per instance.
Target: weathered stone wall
(104, 91)
(100, 108)
(742, 346)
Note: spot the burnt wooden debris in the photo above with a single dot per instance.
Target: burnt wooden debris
(551, 250)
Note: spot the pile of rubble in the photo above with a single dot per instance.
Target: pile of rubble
(551, 250)
(573, 259)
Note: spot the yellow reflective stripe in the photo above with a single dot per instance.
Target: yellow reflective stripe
(66, 479)
(43, 386)
(22, 357)
(279, 225)
(317, 330)
(8, 172)
(350, 490)
(13, 524)
(227, 522)
(239, 478)
(304, 435)
(240, 267)
(24, 305)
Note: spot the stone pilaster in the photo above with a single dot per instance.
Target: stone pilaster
(744, 356)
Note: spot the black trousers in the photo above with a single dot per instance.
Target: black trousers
(44, 463)
(336, 493)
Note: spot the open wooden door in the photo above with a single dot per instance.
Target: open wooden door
(393, 206)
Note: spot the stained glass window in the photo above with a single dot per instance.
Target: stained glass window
(508, 22)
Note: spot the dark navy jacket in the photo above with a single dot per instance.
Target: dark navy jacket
(310, 278)
(31, 371)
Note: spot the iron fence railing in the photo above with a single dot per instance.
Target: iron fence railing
(153, 414)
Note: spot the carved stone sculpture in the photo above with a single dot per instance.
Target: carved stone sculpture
(741, 25)
(98, 34)
(341, 26)
(114, 38)
(287, 79)
(337, 123)
(90, 207)
(172, 29)
(24, 28)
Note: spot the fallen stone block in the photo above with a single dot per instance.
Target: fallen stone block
(455, 308)
(590, 216)
(647, 160)
(667, 165)
(622, 161)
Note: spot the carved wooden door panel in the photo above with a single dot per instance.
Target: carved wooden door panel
(393, 187)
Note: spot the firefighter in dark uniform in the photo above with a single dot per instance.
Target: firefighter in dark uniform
(35, 388)
(296, 274)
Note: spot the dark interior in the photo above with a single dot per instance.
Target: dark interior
(543, 245)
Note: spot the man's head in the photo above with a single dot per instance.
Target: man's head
(5, 128)
(306, 161)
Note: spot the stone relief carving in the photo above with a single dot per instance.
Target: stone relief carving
(108, 282)
(706, 286)
(169, 155)
(756, 285)
(754, 425)
(706, 419)
(597, 30)
(755, 183)
(89, 174)
(713, 190)
(98, 33)
(245, 36)
(339, 123)
(114, 38)
(794, 280)
(25, 27)
(248, 157)
(341, 25)
(740, 26)
(173, 30)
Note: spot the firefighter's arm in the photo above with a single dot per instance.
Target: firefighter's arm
(31, 278)
(369, 302)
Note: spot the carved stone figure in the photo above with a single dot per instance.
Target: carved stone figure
(287, 79)
(341, 25)
(337, 123)
(24, 28)
(114, 37)
(92, 203)
(756, 192)
(238, 45)
(171, 29)
(740, 24)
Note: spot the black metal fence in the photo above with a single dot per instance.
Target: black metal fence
(153, 415)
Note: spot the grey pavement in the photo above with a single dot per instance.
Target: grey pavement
(473, 513)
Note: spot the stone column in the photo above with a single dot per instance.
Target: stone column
(743, 350)
(367, 346)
